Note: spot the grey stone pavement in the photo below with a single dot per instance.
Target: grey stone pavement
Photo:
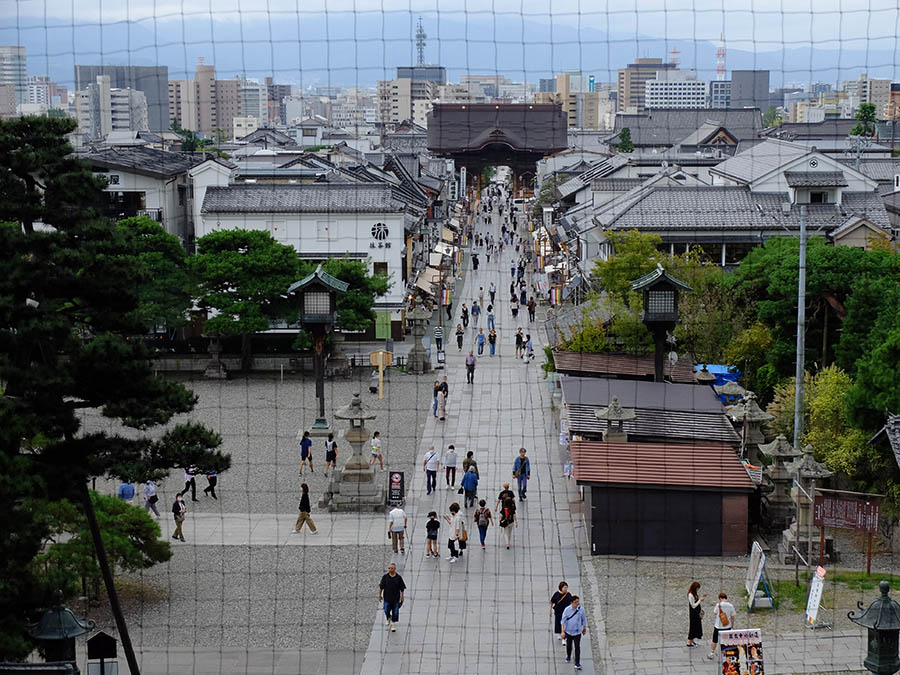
(488, 613)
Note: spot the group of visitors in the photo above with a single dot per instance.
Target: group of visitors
(723, 617)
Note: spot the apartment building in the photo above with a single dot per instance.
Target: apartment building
(632, 80)
(101, 109)
(676, 89)
(13, 70)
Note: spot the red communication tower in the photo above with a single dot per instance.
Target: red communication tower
(720, 58)
(675, 57)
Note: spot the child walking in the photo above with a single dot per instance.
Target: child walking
(431, 538)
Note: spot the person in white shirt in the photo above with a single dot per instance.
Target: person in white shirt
(397, 527)
(457, 527)
(724, 616)
(376, 450)
(431, 465)
(451, 460)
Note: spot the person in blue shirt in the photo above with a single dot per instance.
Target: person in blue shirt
(469, 483)
(574, 625)
(479, 340)
(306, 452)
(126, 491)
(522, 472)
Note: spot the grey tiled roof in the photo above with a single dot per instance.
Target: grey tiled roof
(759, 160)
(815, 178)
(737, 208)
(143, 160)
(882, 169)
(301, 198)
(615, 184)
(666, 127)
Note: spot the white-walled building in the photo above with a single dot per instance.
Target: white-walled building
(676, 89)
(243, 126)
(101, 109)
(321, 221)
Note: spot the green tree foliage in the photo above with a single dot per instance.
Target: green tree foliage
(355, 307)
(69, 301)
(866, 116)
(771, 118)
(545, 195)
(748, 351)
(630, 333)
(625, 142)
(635, 254)
(168, 290)
(244, 276)
(131, 538)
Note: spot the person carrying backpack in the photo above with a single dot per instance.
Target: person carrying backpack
(483, 518)
(508, 519)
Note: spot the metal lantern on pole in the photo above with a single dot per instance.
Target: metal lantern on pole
(882, 619)
(660, 291)
(57, 631)
(318, 314)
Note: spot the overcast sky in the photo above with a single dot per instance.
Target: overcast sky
(767, 24)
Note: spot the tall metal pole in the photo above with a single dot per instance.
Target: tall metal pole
(801, 334)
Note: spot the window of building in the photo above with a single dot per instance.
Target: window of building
(818, 197)
(380, 268)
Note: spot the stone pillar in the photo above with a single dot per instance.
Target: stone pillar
(215, 369)
(418, 361)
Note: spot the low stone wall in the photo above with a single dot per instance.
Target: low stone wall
(196, 363)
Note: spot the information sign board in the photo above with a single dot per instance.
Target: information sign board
(396, 487)
(741, 652)
(846, 513)
(815, 596)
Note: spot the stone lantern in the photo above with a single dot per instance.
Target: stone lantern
(318, 314)
(731, 390)
(882, 619)
(806, 471)
(614, 415)
(354, 487)
(418, 361)
(777, 502)
(749, 417)
(57, 631)
(703, 376)
(660, 291)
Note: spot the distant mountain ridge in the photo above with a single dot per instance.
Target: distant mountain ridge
(347, 50)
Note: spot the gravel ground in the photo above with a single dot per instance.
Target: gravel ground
(258, 419)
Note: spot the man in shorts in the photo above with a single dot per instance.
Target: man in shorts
(306, 452)
(330, 453)
(376, 450)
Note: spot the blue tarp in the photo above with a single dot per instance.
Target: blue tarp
(723, 374)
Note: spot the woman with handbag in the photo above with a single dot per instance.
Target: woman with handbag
(695, 613)
(560, 600)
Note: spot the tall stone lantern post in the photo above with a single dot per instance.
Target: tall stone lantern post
(660, 292)
(355, 487)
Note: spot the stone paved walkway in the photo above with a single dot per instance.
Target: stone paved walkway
(488, 613)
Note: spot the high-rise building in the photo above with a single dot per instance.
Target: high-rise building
(750, 89)
(100, 109)
(276, 93)
(676, 89)
(254, 100)
(228, 104)
(720, 94)
(153, 81)
(423, 73)
(13, 70)
(396, 98)
(7, 101)
(632, 80)
(584, 109)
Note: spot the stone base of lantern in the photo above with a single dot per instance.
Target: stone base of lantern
(215, 370)
(613, 436)
(356, 487)
(418, 361)
(791, 538)
(777, 512)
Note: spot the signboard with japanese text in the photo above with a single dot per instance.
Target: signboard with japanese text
(396, 487)
(846, 513)
(815, 596)
(741, 652)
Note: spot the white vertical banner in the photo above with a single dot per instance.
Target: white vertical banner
(462, 182)
(815, 596)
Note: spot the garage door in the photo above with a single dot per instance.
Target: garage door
(655, 522)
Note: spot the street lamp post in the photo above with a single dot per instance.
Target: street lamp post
(800, 371)
(882, 619)
(318, 314)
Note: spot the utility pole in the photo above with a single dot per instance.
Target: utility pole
(800, 372)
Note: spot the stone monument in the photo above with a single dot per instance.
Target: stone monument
(215, 369)
(777, 481)
(748, 417)
(356, 487)
(614, 415)
(418, 361)
(806, 471)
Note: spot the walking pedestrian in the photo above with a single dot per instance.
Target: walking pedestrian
(304, 510)
(529, 349)
(724, 617)
(439, 337)
(490, 317)
(470, 461)
(376, 450)
(512, 270)
(434, 400)
(520, 343)
(179, 509)
(492, 291)
(306, 452)
(212, 478)
(522, 297)
(469, 484)
(474, 262)
(522, 472)
(476, 314)
(532, 306)
(456, 532)
(451, 460)
(126, 491)
(430, 465)
(464, 315)
(483, 519)
(330, 454)
(460, 333)
(151, 497)
(391, 590)
(574, 625)
(514, 307)
(449, 307)
(479, 340)
(492, 341)
(481, 296)
(558, 603)
(471, 362)
(397, 522)
(508, 519)
(441, 405)
(695, 614)
(190, 483)
(431, 535)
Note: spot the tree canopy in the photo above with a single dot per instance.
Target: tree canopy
(866, 116)
(625, 142)
(69, 308)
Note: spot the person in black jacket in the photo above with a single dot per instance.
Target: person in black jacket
(304, 511)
